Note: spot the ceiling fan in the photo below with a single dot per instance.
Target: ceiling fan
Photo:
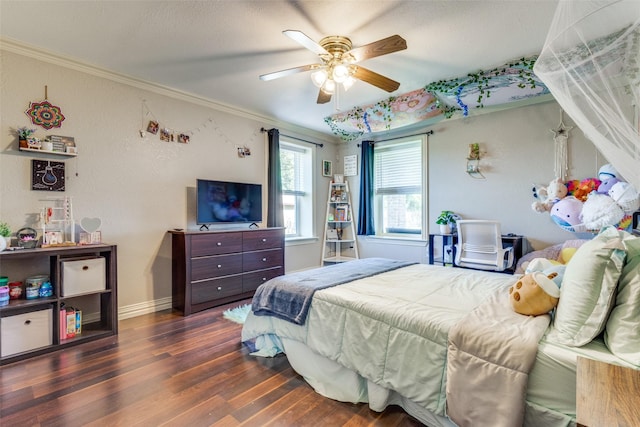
(339, 63)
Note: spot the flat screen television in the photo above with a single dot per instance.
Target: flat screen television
(228, 202)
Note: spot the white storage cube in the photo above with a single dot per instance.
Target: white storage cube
(83, 276)
(25, 332)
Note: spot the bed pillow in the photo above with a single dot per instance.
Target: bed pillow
(622, 333)
(588, 289)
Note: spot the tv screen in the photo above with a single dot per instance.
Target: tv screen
(223, 202)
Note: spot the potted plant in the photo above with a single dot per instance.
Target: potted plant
(445, 219)
(23, 134)
(5, 235)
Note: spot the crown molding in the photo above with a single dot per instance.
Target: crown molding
(31, 51)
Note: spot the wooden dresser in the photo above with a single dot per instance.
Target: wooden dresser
(211, 268)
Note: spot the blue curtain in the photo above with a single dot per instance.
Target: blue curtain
(365, 211)
(275, 214)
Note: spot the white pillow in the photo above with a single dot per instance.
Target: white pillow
(588, 289)
(622, 333)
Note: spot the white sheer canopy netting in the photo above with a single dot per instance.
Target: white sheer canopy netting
(591, 65)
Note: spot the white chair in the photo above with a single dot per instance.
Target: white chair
(480, 246)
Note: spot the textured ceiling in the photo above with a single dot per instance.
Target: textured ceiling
(217, 49)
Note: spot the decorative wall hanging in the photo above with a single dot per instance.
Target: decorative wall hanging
(45, 114)
(561, 137)
(326, 168)
(47, 175)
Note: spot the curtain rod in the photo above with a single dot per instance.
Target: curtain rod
(429, 132)
(317, 144)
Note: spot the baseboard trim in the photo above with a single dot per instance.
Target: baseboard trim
(146, 307)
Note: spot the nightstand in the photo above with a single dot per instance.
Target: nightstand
(606, 395)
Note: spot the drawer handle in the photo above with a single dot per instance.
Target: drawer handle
(264, 240)
(264, 279)
(219, 266)
(219, 243)
(27, 322)
(85, 267)
(264, 259)
(219, 288)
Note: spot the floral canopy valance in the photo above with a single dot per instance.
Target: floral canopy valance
(512, 82)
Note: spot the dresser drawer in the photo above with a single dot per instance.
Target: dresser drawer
(215, 244)
(211, 290)
(261, 260)
(25, 332)
(263, 239)
(251, 281)
(215, 266)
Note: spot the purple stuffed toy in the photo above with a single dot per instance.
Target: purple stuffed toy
(566, 214)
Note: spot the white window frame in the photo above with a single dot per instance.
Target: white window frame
(377, 198)
(305, 199)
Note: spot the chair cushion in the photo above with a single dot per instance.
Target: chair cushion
(588, 289)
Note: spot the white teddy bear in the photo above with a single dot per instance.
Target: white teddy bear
(549, 196)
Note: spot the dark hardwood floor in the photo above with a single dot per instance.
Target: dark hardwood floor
(167, 370)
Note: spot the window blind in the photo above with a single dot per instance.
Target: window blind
(398, 168)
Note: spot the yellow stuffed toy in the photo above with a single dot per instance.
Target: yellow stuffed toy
(534, 294)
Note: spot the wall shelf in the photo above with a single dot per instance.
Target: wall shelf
(57, 153)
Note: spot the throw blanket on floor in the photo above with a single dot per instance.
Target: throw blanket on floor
(490, 354)
(289, 297)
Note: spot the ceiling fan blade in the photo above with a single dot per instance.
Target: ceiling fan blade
(305, 41)
(289, 71)
(375, 79)
(323, 97)
(379, 48)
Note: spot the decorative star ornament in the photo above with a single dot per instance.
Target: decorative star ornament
(561, 131)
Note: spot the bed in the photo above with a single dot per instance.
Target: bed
(438, 341)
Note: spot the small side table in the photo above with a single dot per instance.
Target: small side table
(446, 240)
(606, 395)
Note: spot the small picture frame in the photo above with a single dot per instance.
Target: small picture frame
(153, 127)
(332, 234)
(326, 168)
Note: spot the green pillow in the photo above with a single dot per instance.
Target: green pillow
(588, 289)
(622, 334)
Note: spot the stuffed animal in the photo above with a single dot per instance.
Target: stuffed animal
(599, 211)
(534, 294)
(586, 186)
(566, 214)
(552, 194)
(605, 185)
(606, 172)
(548, 267)
(626, 196)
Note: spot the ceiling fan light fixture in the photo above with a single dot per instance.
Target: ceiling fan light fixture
(319, 77)
(340, 73)
(329, 87)
(348, 83)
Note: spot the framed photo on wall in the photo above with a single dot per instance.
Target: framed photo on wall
(351, 165)
(47, 175)
(326, 168)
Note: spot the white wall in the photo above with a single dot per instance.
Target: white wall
(519, 151)
(139, 187)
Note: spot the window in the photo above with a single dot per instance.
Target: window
(398, 188)
(296, 168)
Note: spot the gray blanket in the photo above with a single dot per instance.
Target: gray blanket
(289, 297)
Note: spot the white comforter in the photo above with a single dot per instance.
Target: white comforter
(391, 328)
